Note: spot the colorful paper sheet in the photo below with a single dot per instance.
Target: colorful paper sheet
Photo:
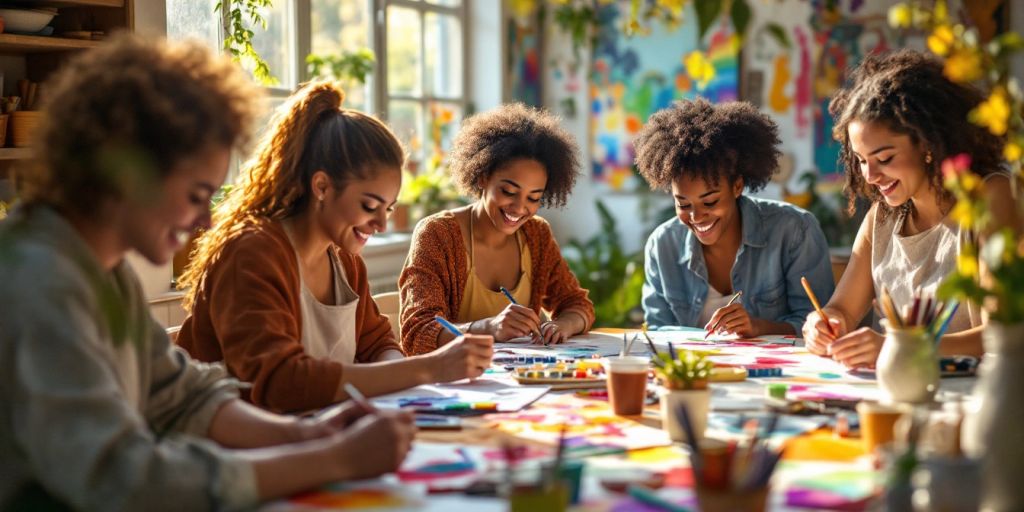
(480, 395)
(592, 427)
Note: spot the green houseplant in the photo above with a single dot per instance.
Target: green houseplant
(613, 276)
(684, 377)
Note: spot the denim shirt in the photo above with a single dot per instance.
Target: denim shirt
(781, 244)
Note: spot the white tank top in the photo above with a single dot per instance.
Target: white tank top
(907, 264)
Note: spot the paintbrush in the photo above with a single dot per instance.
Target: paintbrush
(696, 458)
(622, 352)
(358, 398)
(655, 356)
(629, 346)
(736, 296)
(553, 472)
(890, 309)
(671, 351)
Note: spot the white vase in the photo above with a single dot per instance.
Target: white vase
(908, 366)
(994, 424)
(698, 403)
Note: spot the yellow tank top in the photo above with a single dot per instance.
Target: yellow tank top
(478, 301)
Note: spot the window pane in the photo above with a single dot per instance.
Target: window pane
(276, 44)
(449, 3)
(404, 64)
(194, 18)
(443, 121)
(343, 26)
(406, 120)
(443, 55)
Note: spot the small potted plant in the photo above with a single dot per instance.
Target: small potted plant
(684, 378)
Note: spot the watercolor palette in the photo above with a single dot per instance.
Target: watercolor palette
(562, 375)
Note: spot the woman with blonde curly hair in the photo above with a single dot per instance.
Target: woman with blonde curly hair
(492, 266)
(98, 410)
(277, 289)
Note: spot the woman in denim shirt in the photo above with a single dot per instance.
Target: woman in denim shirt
(723, 242)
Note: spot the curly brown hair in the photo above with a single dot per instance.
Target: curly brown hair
(128, 113)
(309, 133)
(492, 139)
(907, 92)
(696, 138)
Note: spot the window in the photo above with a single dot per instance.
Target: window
(418, 85)
(424, 90)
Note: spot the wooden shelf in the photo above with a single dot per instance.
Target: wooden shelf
(76, 3)
(15, 153)
(13, 43)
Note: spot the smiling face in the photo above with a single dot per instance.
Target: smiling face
(353, 213)
(512, 194)
(890, 162)
(158, 226)
(708, 209)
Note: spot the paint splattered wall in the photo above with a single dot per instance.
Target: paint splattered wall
(633, 77)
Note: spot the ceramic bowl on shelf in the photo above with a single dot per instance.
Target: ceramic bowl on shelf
(25, 20)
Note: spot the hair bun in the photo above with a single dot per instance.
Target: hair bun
(322, 96)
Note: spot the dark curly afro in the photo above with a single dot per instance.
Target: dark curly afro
(695, 138)
(489, 140)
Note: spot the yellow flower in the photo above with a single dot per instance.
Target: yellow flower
(1012, 151)
(900, 16)
(962, 214)
(941, 41)
(969, 181)
(963, 65)
(967, 265)
(522, 9)
(699, 68)
(993, 113)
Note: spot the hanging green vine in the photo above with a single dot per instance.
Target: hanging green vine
(238, 37)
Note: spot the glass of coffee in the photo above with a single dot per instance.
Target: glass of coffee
(627, 383)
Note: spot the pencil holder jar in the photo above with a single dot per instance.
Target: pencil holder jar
(553, 497)
(732, 500)
(908, 365)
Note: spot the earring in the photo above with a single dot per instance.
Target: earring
(928, 157)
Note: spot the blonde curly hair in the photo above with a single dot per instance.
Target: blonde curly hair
(309, 133)
(129, 112)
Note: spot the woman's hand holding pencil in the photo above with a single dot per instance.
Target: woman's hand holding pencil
(468, 356)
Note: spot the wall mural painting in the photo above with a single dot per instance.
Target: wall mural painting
(632, 77)
(523, 61)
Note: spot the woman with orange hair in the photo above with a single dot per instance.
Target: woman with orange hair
(277, 289)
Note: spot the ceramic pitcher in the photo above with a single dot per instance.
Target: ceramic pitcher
(908, 365)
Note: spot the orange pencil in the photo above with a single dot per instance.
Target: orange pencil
(817, 306)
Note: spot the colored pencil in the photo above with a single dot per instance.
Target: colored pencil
(945, 322)
(448, 325)
(358, 398)
(816, 304)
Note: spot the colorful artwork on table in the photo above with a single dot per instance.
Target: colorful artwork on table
(730, 426)
(591, 426)
(351, 496)
(524, 60)
(635, 76)
(846, 489)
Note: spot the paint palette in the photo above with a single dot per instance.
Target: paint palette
(563, 375)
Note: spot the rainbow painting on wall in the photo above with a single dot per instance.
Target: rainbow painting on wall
(633, 77)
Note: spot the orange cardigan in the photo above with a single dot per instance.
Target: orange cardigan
(436, 270)
(248, 316)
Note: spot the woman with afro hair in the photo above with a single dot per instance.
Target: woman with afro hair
(721, 241)
(897, 122)
(513, 160)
